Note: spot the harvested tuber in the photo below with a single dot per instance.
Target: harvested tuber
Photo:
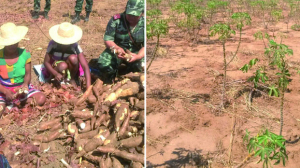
(84, 96)
(50, 137)
(122, 154)
(87, 127)
(80, 123)
(116, 163)
(92, 99)
(48, 124)
(87, 135)
(108, 162)
(72, 129)
(121, 114)
(132, 142)
(140, 105)
(82, 114)
(136, 165)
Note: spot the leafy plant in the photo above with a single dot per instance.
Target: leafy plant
(156, 28)
(212, 7)
(295, 27)
(224, 32)
(259, 75)
(261, 36)
(193, 16)
(278, 53)
(268, 147)
(240, 19)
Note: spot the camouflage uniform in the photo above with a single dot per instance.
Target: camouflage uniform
(37, 5)
(88, 6)
(78, 8)
(116, 31)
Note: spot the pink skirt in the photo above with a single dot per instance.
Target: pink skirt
(47, 74)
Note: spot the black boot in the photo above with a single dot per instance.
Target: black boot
(35, 15)
(46, 15)
(76, 18)
(87, 17)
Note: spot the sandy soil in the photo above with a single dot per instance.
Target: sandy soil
(184, 129)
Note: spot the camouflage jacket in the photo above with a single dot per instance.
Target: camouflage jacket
(116, 31)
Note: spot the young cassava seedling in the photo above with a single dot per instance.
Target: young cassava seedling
(266, 145)
(224, 31)
(278, 54)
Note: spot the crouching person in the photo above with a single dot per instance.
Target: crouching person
(15, 69)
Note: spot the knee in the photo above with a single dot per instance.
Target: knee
(40, 99)
(73, 59)
(2, 108)
(62, 66)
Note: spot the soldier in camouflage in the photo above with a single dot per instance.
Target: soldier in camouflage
(37, 7)
(78, 8)
(124, 32)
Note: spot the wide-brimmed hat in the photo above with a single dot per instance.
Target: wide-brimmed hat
(65, 33)
(135, 7)
(11, 34)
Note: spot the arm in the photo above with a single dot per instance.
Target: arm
(27, 76)
(109, 37)
(49, 67)
(85, 68)
(110, 44)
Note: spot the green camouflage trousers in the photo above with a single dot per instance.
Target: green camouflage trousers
(108, 64)
(37, 5)
(88, 7)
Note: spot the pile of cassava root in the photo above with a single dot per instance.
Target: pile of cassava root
(103, 128)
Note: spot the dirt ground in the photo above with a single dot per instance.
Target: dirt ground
(36, 42)
(184, 129)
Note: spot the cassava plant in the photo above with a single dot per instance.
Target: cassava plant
(156, 28)
(212, 7)
(279, 53)
(192, 16)
(267, 146)
(259, 75)
(240, 19)
(224, 31)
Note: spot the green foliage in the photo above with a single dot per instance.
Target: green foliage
(278, 51)
(240, 19)
(154, 2)
(273, 91)
(259, 35)
(153, 13)
(223, 30)
(184, 6)
(258, 75)
(296, 27)
(276, 14)
(192, 12)
(157, 27)
(268, 146)
(246, 67)
(213, 5)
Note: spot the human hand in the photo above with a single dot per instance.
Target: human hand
(120, 53)
(58, 77)
(9, 95)
(24, 88)
(134, 57)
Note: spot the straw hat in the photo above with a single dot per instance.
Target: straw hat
(65, 33)
(11, 34)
